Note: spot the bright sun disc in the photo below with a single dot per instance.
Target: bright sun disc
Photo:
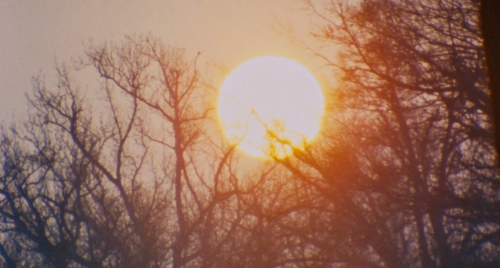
(268, 104)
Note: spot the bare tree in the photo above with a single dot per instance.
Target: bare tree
(132, 187)
(403, 174)
(411, 175)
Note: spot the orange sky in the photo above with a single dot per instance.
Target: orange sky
(34, 33)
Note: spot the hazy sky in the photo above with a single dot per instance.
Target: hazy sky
(33, 34)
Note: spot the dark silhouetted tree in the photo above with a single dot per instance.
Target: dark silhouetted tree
(407, 168)
(131, 175)
(129, 180)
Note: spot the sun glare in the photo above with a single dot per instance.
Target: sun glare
(270, 104)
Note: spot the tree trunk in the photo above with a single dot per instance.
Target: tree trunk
(490, 27)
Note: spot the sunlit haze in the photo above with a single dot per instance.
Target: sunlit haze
(269, 105)
(35, 35)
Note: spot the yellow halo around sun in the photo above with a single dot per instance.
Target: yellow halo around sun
(270, 104)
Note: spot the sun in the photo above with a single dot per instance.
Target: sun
(270, 105)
